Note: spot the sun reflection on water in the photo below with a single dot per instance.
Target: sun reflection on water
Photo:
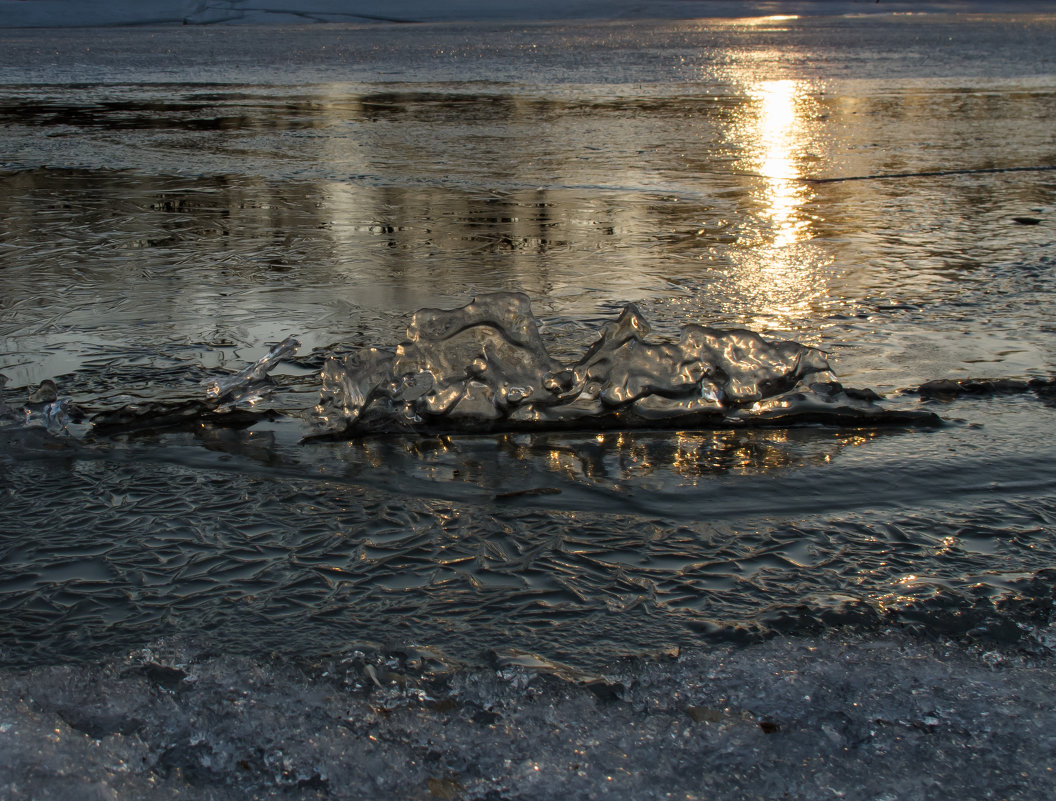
(778, 272)
(777, 134)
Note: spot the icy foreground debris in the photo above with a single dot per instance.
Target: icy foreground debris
(484, 367)
(231, 400)
(721, 722)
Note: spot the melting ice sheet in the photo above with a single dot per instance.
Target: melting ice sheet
(484, 367)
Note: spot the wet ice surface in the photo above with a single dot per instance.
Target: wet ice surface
(633, 541)
(418, 169)
(799, 718)
(175, 207)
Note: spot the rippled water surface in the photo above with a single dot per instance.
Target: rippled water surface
(174, 201)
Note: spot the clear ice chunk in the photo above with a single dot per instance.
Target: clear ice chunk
(231, 400)
(484, 367)
(42, 409)
(244, 386)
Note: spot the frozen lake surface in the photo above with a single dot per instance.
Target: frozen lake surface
(177, 200)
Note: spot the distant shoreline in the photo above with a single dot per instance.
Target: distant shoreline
(123, 13)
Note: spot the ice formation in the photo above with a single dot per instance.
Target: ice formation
(484, 367)
(246, 386)
(43, 409)
(230, 400)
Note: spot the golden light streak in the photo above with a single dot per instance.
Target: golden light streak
(778, 272)
(778, 138)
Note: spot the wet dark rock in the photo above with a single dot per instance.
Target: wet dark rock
(166, 677)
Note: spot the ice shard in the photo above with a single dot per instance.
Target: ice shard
(245, 385)
(230, 400)
(42, 409)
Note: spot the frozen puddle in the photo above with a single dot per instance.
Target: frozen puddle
(835, 717)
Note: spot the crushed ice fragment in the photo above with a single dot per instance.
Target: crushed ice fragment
(372, 674)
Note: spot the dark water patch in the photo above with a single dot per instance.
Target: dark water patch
(161, 416)
(139, 115)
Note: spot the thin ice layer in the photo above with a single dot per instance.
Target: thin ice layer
(484, 367)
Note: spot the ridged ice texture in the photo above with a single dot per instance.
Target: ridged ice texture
(485, 367)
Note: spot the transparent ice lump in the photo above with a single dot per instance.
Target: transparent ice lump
(247, 386)
(42, 409)
(484, 367)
